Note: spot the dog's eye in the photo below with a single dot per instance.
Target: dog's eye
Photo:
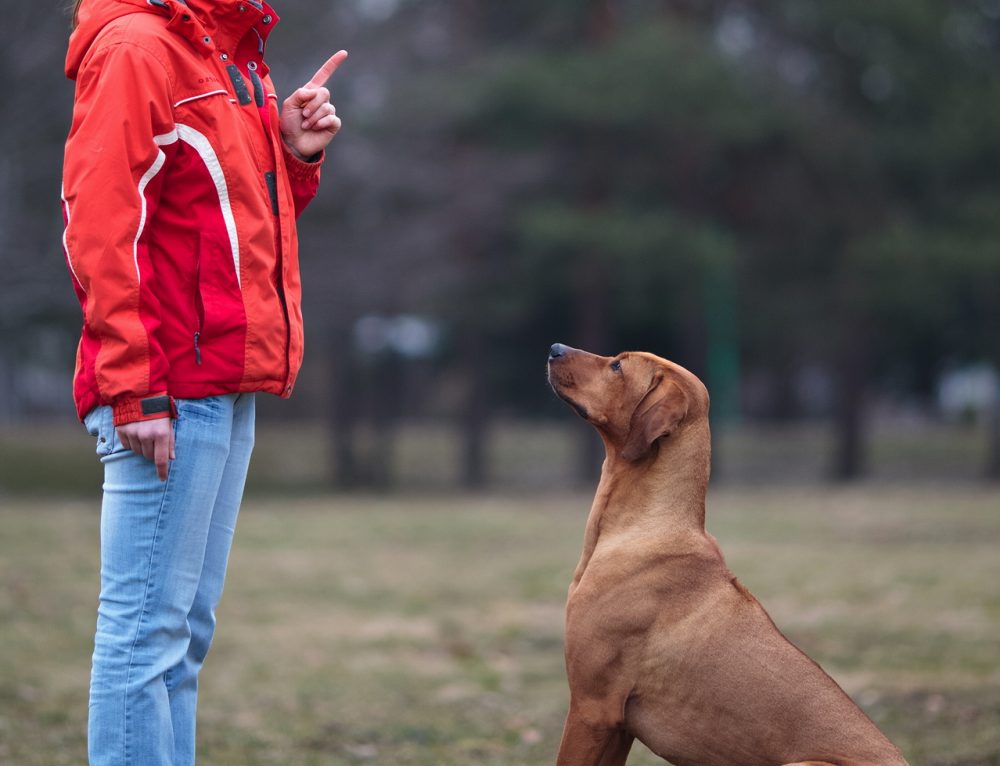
(616, 365)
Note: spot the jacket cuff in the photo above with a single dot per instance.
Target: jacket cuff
(133, 409)
(302, 170)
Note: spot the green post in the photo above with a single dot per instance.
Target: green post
(723, 362)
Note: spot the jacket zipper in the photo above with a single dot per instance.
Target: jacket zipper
(199, 308)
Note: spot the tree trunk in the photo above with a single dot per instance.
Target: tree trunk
(387, 383)
(593, 322)
(475, 412)
(472, 244)
(593, 310)
(849, 457)
(343, 409)
(993, 447)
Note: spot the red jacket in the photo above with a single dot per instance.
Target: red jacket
(180, 201)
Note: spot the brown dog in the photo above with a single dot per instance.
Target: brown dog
(662, 643)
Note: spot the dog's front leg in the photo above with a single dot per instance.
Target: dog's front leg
(587, 743)
(617, 751)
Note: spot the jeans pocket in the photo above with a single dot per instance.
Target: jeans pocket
(100, 424)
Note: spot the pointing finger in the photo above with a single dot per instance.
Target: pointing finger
(161, 455)
(326, 71)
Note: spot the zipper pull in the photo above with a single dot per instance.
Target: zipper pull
(197, 349)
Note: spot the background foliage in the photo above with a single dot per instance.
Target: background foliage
(797, 200)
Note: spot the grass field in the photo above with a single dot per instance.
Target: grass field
(428, 632)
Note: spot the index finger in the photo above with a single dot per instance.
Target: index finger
(161, 455)
(326, 71)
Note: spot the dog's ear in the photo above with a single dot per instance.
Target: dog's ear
(657, 415)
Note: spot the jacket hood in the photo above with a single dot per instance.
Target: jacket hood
(207, 24)
(92, 17)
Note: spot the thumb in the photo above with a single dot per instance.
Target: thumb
(301, 97)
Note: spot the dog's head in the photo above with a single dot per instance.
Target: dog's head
(634, 399)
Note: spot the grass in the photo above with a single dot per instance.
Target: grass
(428, 632)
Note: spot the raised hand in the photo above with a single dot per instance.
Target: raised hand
(308, 120)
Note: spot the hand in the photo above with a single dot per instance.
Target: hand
(308, 120)
(153, 439)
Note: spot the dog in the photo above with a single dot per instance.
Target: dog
(663, 644)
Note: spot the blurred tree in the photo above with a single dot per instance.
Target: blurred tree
(619, 233)
(730, 183)
(39, 315)
(919, 85)
(800, 130)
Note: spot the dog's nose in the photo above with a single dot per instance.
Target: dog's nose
(557, 350)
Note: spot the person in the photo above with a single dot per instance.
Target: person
(182, 183)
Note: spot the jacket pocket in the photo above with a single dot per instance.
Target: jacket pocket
(199, 312)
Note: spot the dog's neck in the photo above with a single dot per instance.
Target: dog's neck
(661, 497)
(667, 488)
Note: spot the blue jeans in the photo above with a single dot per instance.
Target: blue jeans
(164, 550)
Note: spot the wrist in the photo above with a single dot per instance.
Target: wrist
(299, 155)
(292, 150)
(129, 409)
